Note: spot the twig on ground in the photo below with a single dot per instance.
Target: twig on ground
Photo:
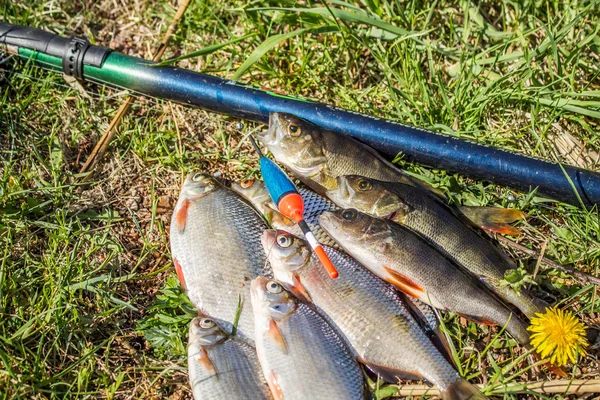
(540, 258)
(577, 386)
(578, 275)
(110, 132)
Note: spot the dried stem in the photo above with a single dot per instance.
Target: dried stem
(577, 386)
(110, 132)
(578, 275)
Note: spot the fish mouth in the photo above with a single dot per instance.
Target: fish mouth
(269, 136)
(196, 193)
(258, 287)
(267, 239)
(198, 185)
(328, 221)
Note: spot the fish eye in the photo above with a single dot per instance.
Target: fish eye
(295, 130)
(284, 240)
(349, 214)
(274, 287)
(197, 177)
(207, 323)
(364, 185)
(246, 183)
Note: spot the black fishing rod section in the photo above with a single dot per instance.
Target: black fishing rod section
(75, 56)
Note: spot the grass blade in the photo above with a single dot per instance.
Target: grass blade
(238, 313)
(344, 15)
(273, 41)
(207, 50)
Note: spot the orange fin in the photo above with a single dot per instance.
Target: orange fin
(299, 290)
(273, 383)
(403, 283)
(504, 229)
(275, 334)
(495, 219)
(478, 320)
(181, 215)
(206, 362)
(179, 273)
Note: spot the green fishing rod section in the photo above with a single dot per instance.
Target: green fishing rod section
(75, 56)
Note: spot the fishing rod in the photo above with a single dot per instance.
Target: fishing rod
(75, 56)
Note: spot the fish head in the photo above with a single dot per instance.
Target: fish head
(206, 332)
(350, 227)
(366, 195)
(287, 254)
(296, 143)
(271, 299)
(198, 185)
(251, 189)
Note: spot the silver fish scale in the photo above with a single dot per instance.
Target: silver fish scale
(453, 288)
(220, 253)
(347, 156)
(425, 313)
(314, 206)
(374, 319)
(318, 364)
(238, 373)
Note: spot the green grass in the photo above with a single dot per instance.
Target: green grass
(89, 306)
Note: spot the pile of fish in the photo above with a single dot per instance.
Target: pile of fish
(400, 250)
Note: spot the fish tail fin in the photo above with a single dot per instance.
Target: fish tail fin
(493, 219)
(462, 390)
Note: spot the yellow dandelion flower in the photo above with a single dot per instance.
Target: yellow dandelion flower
(558, 333)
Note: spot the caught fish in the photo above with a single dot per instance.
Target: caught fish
(221, 366)
(302, 357)
(256, 193)
(407, 261)
(368, 312)
(410, 207)
(215, 244)
(318, 156)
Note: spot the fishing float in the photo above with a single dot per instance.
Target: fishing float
(289, 202)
